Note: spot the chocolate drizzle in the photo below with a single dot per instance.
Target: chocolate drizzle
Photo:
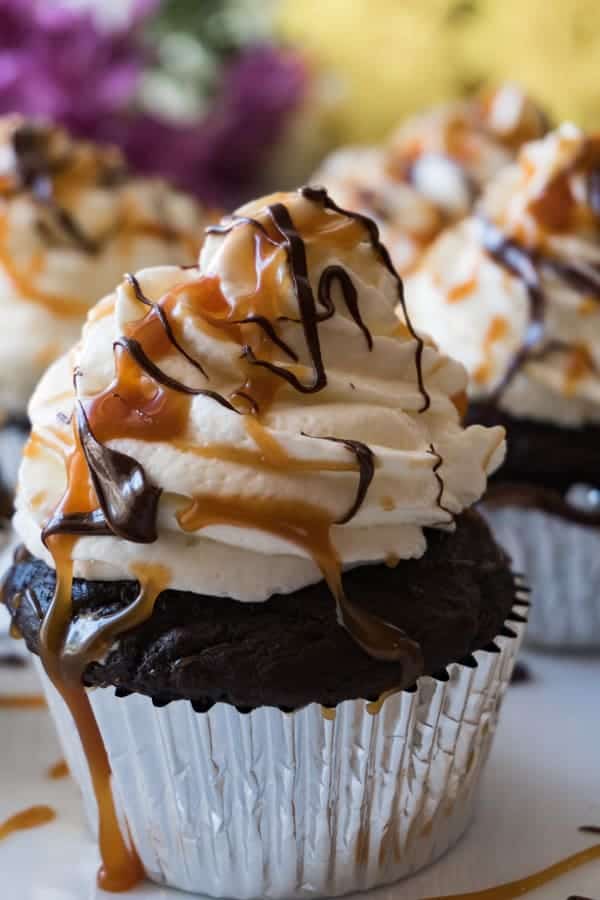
(527, 264)
(320, 196)
(439, 462)
(366, 466)
(523, 264)
(136, 351)
(127, 497)
(35, 170)
(337, 274)
(164, 321)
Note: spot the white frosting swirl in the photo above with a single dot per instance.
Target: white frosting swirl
(371, 395)
(48, 281)
(452, 151)
(480, 312)
(356, 178)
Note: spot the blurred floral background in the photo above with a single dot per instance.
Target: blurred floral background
(229, 97)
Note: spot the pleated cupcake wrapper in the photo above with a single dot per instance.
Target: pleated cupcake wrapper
(311, 803)
(561, 562)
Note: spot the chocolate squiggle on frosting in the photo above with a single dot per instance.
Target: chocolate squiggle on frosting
(337, 274)
(523, 263)
(366, 466)
(164, 321)
(128, 500)
(35, 172)
(320, 195)
(127, 497)
(137, 352)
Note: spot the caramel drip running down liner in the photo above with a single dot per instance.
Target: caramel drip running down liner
(109, 493)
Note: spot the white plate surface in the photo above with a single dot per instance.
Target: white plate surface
(542, 782)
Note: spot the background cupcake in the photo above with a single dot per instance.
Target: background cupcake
(514, 293)
(72, 220)
(449, 153)
(356, 178)
(432, 169)
(243, 559)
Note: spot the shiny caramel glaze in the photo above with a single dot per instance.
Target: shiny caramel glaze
(59, 770)
(34, 817)
(513, 889)
(22, 701)
(109, 493)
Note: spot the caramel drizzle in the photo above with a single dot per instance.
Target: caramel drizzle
(513, 889)
(109, 492)
(526, 264)
(58, 771)
(33, 817)
(22, 701)
(320, 195)
(160, 312)
(522, 263)
(38, 173)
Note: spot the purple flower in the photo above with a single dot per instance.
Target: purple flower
(57, 64)
(219, 158)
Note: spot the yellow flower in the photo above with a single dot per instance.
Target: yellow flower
(397, 56)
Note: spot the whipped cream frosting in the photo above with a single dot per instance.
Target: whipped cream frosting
(72, 221)
(514, 291)
(356, 178)
(449, 153)
(290, 315)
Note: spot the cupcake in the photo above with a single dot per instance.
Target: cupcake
(72, 220)
(245, 509)
(356, 178)
(514, 293)
(449, 153)
(433, 168)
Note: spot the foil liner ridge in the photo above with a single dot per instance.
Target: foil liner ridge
(287, 805)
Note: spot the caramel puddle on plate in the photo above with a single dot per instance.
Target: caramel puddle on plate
(33, 817)
(58, 770)
(22, 701)
(513, 889)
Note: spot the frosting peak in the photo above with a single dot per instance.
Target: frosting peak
(72, 220)
(514, 292)
(256, 423)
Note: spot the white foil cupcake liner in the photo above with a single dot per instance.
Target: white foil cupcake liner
(561, 562)
(317, 802)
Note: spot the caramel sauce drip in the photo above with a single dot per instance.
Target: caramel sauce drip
(308, 527)
(555, 210)
(65, 660)
(22, 701)
(580, 365)
(513, 889)
(497, 330)
(58, 771)
(461, 290)
(34, 817)
(109, 493)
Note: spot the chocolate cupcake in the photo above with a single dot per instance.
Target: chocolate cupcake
(245, 511)
(449, 153)
(514, 292)
(72, 220)
(432, 169)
